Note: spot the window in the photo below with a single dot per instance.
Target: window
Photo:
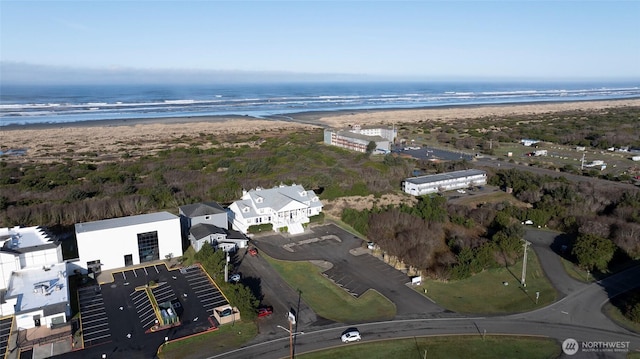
(207, 217)
(148, 246)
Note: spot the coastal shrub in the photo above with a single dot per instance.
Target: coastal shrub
(259, 228)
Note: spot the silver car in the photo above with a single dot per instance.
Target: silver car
(351, 336)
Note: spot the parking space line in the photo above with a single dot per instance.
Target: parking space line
(93, 321)
(101, 337)
(95, 329)
(144, 309)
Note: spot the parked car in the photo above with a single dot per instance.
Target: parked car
(461, 191)
(352, 335)
(226, 312)
(371, 245)
(265, 311)
(253, 251)
(234, 278)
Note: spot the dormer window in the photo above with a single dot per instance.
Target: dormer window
(245, 210)
(314, 199)
(303, 194)
(259, 200)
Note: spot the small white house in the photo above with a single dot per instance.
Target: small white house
(120, 242)
(283, 206)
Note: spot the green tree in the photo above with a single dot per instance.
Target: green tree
(371, 146)
(593, 252)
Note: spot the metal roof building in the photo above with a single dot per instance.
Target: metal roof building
(443, 182)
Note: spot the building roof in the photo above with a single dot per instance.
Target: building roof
(202, 230)
(39, 288)
(279, 197)
(123, 222)
(360, 136)
(445, 176)
(201, 209)
(27, 239)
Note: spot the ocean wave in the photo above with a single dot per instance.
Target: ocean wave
(51, 107)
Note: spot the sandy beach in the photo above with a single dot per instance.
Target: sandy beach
(113, 138)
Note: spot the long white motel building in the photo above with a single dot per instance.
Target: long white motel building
(443, 182)
(357, 138)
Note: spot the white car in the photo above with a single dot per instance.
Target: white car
(351, 336)
(234, 278)
(461, 191)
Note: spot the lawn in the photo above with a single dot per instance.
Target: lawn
(447, 347)
(328, 300)
(486, 292)
(576, 272)
(227, 337)
(614, 311)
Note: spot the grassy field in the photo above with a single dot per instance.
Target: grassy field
(447, 347)
(575, 272)
(328, 300)
(486, 293)
(616, 315)
(227, 337)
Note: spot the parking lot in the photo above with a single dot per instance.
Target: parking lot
(208, 295)
(117, 315)
(93, 318)
(351, 265)
(5, 330)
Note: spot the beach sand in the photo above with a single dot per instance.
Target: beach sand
(111, 139)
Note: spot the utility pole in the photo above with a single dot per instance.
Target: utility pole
(524, 264)
(292, 320)
(582, 163)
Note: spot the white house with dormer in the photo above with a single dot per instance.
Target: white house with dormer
(284, 207)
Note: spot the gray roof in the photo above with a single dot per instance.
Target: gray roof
(123, 221)
(279, 197)
(201, 209)
(360, 136)
(444, 176)
(202, 230)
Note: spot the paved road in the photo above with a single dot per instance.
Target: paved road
(547, 245)
(329, 337)
(577, 315)
(487, 161)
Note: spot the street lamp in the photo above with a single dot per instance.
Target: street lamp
(292, 320)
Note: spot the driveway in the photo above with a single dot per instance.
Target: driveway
(547, 245)
(349, 266)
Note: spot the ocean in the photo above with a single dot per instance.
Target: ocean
(30, 104)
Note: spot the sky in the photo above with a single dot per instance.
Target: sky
(554, 40)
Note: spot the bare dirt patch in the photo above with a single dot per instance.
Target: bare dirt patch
(334, 208)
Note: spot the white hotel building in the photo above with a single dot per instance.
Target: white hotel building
(357, 138)
(443, 182)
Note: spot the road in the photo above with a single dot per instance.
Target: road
(578, 315)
